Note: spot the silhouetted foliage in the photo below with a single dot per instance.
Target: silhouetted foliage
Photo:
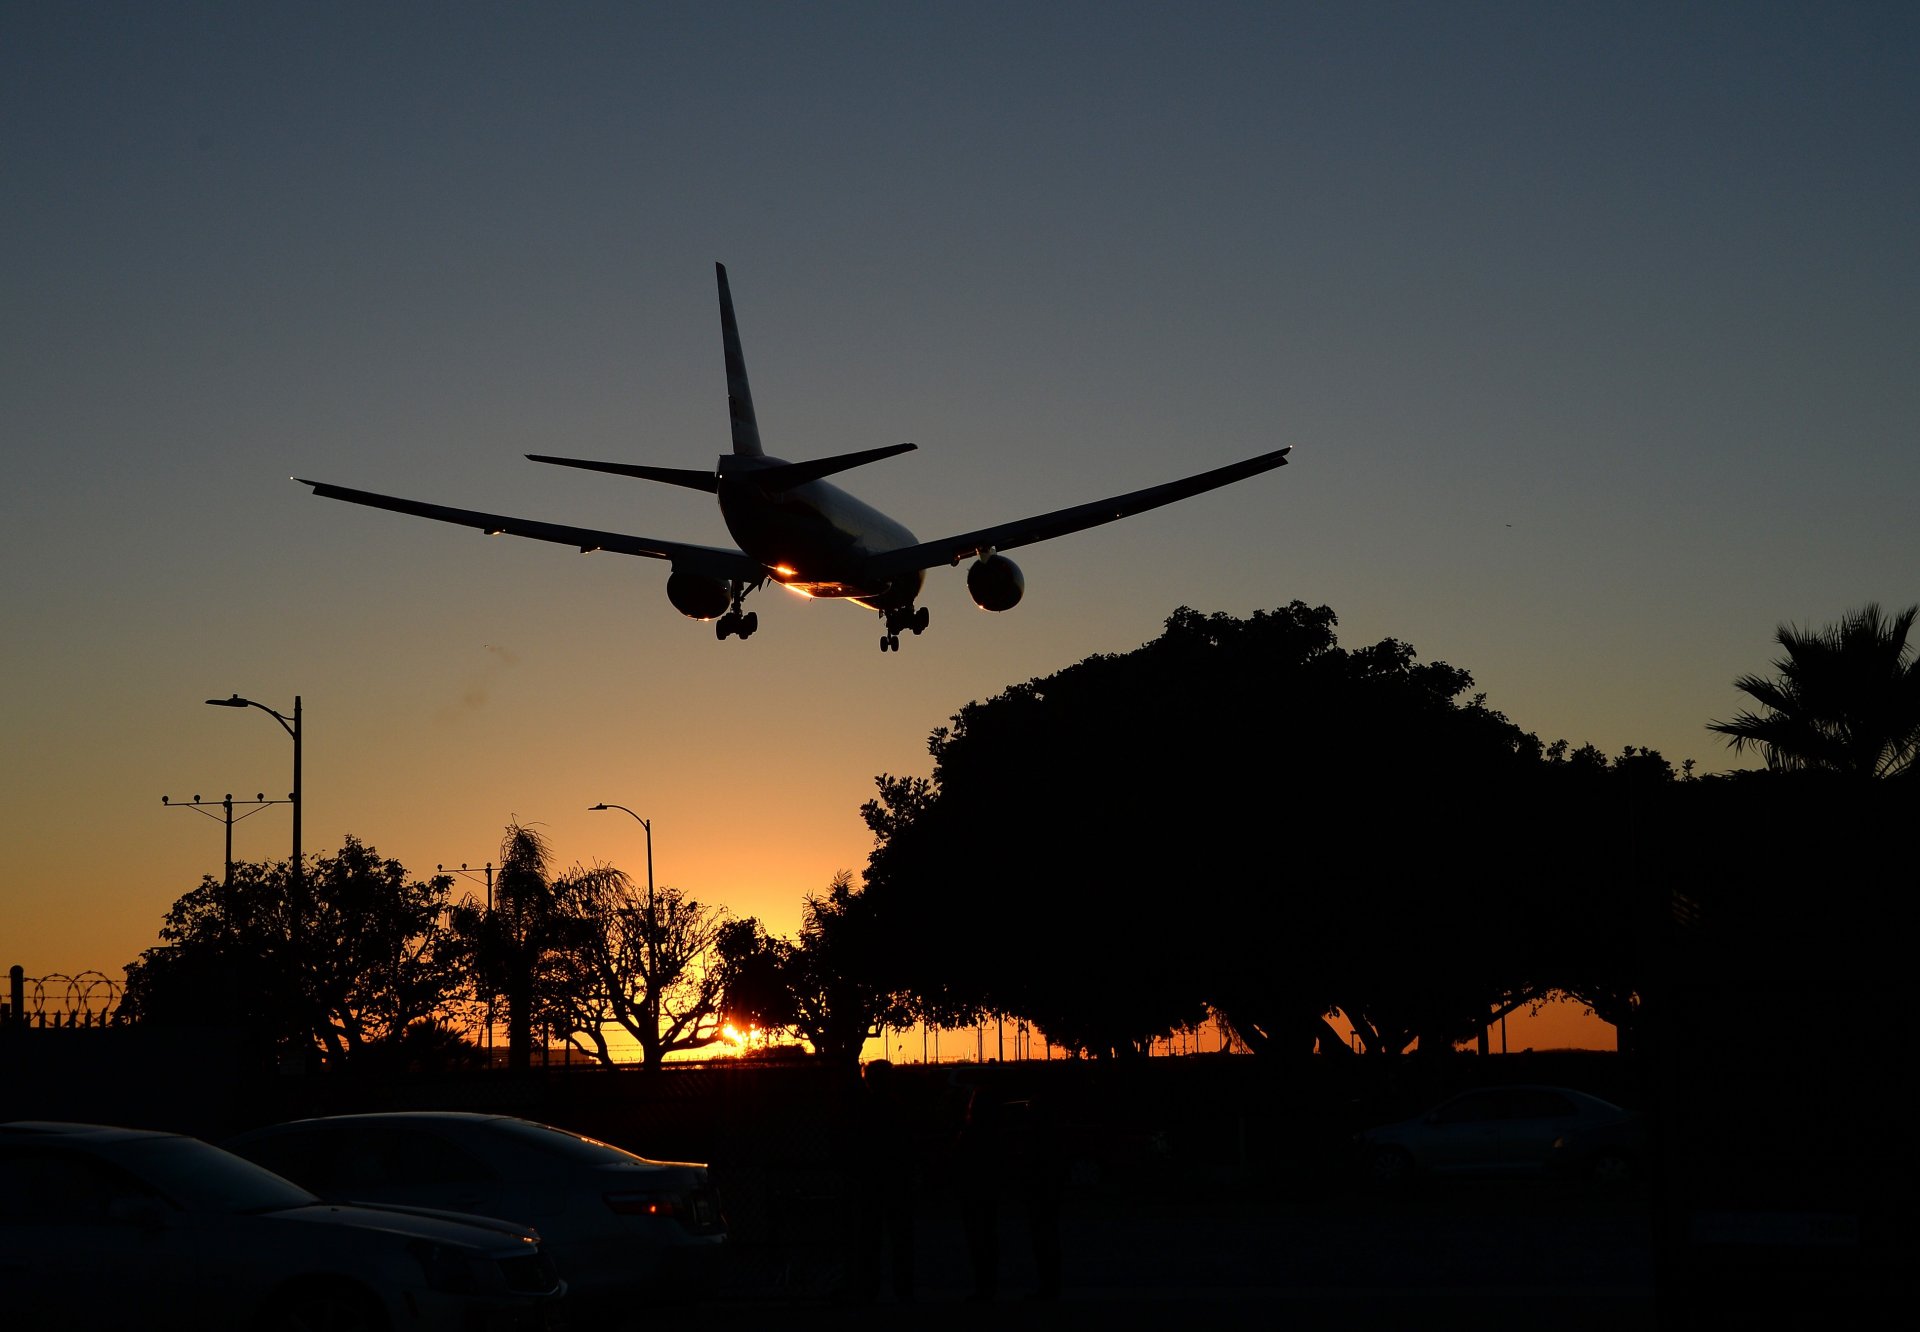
(647, 966)
(827, 987)
(512, 946)
(372, 958)
(1846, 699)
(1240, 815)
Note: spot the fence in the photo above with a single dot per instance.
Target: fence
(86, 999)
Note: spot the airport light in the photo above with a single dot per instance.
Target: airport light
(226, 816)
(292, 728)
(487, 869)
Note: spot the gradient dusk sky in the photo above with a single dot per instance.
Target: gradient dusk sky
(1593, 327)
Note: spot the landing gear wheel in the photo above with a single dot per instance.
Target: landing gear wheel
(722, 627)
(919, 622)
(889, 643)
(748, 623)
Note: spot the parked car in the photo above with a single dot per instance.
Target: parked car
(104, 1227)
(1518, 1130)
(615, 1223)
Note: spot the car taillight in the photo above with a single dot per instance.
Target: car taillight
(642, 1204)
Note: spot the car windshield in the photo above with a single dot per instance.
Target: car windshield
(200, 1177)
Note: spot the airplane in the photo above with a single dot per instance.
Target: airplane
(811, 537)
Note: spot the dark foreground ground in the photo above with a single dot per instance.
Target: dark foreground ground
(1485, 1254)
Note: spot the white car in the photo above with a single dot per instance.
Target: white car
(617, 1225)
(1516, 1130)
(116, 1227)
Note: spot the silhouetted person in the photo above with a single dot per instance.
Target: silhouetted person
(887, 1175)
(1008, 1152)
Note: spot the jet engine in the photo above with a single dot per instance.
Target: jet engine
(996, 583)
(698, 596)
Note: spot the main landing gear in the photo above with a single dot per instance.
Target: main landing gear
(901, 617)
(735, 621)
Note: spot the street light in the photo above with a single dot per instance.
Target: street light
(292, 728)
(653, 925)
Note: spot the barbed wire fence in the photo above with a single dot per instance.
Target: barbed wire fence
(60, 1001)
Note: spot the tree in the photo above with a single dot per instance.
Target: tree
(642, 961)
(1846, 699)
(511, 942)
(1241, 815)
(373, 957)
(827, 987)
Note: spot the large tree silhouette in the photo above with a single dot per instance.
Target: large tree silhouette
(1846, 699)
(372, 957)
(1240, 814)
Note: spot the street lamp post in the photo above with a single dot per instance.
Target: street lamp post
(653, 926)
(292, 728)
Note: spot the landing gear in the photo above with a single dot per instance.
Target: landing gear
(899, 618)
(736, 621)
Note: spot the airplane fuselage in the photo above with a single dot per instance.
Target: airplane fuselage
(814, 537)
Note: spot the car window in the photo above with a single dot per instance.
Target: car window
(199, 1176)
(342, 1160)
(1540, 1103)
(419, 1157)
(1472, 1108)
(57, 1188)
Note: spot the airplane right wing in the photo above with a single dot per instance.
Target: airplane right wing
(713, 561)
(1025, 531)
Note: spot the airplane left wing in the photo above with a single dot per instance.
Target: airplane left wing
(1025, 531)
(713, 561)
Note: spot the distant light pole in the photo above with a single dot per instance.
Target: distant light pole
(653, 926)
(487, 869)
(292, 728)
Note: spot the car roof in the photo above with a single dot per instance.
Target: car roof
(65, 1132)
(1572, 1093)
(405, 1116)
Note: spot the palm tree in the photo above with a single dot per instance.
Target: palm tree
(517, 932)
(1847, 699)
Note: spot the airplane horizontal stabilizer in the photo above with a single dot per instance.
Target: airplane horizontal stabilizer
(788, 475)
(673, 476)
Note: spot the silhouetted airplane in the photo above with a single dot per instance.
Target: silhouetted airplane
(805, 534)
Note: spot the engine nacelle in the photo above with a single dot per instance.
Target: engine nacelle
(996, 583)
(698, 596)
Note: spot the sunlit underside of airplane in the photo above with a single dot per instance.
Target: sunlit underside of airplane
(798, 530)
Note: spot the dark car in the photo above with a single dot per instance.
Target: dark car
(615, 1223)
(1517, 1130)
(116, 1227)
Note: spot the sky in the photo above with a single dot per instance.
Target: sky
(1593, 329)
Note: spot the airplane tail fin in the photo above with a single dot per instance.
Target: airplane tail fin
(746, 430)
